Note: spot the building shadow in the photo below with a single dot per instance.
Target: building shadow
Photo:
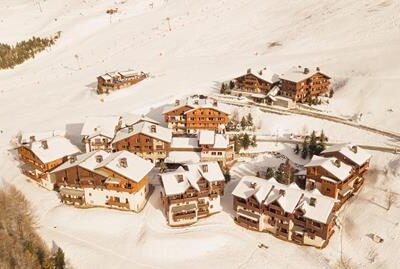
(73, 133)
(156, 114)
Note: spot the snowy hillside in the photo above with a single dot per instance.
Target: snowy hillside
(356, 42)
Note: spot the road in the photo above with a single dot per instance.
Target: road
(309, 113)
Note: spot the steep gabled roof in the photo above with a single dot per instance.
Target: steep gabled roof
(85, 160)
(104, 126)
(354, 153)
(136, 167)
(289, 197)
(296, 74)
(129, 119)
(335, 167)
(57, 147)
(161, 133)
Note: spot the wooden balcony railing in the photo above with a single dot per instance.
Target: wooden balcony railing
(118, 204)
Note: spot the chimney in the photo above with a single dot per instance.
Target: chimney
(313, 201)
(204, 167)
(32, 139)
(196, 102)
(282, 192)
(179, 178)
(130, 129)
(306, 70)
(311, 185)
(354, 149)
(177, 102)
(215, 103)
(72, 158)
(123, 162)
(153, 128)
(260, 72)
(44, 144)
(317, 69)
(336, 162)
(248, 70)
(99, 158)
(253, 185)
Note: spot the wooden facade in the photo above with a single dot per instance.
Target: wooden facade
(118, 80)
(188, 119)
(294, 226)
(144, 146)
(205, 118)
(251, 83)
(302, 90)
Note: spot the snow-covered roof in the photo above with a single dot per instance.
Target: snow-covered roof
(135, 169)
(25, 137)
(57, 147)
(182, 157)
(87, 160)
(132, 119)
(128, 73)
(266, 74)
(296, 74)
(195, 103)
(184, 142)
(289, 197)
(353, 152)
(335, 167)
(206, 137)
(178, 181)
(104, 126)
(146, 128)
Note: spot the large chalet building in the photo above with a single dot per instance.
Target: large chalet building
(39, 157)
(117, 80)
(339, 172)
(206, 146)
(194, 114)
(192, 192)
(301, 85)
(286, 211)
(98, 132)
(147, 140)
(99, 178)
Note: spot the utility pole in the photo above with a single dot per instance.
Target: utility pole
(169, 25)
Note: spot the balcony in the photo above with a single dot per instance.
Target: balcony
(184, 216)
(117, 204)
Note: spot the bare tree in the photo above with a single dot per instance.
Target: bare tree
(169, 25)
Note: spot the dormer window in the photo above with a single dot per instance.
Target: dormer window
(99, 158)
(45, 145)
(313, 201)
(123, 162)
(204, 167)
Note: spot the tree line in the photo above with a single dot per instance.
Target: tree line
(12, 55)
(20, 245)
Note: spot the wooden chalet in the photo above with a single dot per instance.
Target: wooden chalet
(40, 157)
(300, 85)
(117, 80)
(192, 192)
(98, 132)
(332, 178)
(195, 114)
(117, 180)
(260, 82)
(286, 211)
(147, 140)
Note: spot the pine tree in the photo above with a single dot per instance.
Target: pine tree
(59, 259)
(278, 175)
(237, 146)
(331, 92)
(163, 167)
(231, 85)
(312, 148)
(254, 141)
(304, 151)
(297, 149)
(243, 123)
(223, 88)
(249, 120)
(270, 173)
(227, 175)
(246, 141)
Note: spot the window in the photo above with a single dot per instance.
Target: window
(213, 153)
(90, 194)
(219, 153)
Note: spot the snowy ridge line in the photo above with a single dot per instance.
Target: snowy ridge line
(337, 119)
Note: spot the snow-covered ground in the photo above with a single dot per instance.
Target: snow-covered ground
(356, 42)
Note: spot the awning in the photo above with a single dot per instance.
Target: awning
(72, 192)
(258, 95)
(181, 208)
(248, 214)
